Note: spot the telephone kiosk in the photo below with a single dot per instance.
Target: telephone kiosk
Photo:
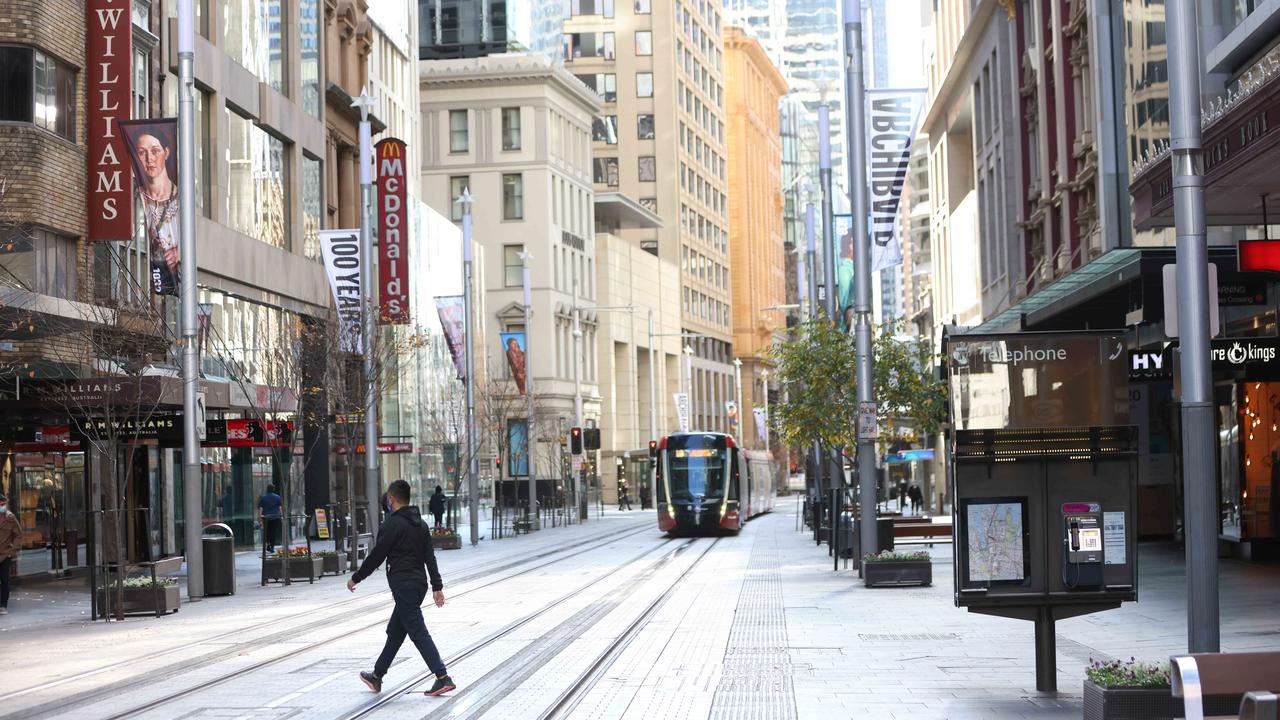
(1082, 546)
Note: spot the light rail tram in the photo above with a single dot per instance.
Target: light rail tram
(706, 484)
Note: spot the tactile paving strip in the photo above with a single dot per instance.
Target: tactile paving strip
(756, 680)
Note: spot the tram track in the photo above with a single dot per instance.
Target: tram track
(498, 683)
(350, 608)
(418, 680)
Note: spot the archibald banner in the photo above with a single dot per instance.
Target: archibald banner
(893, 116)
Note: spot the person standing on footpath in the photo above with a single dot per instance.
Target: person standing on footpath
(404, 541)
(270, 512)
(436, 505)
(10, 545)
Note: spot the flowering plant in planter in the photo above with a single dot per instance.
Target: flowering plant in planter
(299, 552)
(1127, 674)
(893, 556)
(441, 530)
(144, 583)
(325, 553)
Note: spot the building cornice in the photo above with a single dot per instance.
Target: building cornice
(508, 70)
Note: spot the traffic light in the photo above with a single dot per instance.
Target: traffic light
(498, 463)
(591, 439)
(653, 448)
(575, 441)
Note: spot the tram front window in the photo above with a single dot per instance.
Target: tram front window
(697, 470)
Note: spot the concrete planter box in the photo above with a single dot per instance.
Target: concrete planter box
(331, 564)
(300, 568)
(452, 541)
(143, 601)
(1146, 704)
(897, 573)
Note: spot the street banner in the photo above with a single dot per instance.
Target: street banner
(518, 447)
(682, 410)
(108, 97)
(452, 312)
(340, 250)
(842, 228)
(152, 145)
(893, 116)
(762, 425)
(393, 229)
(731, 410)
(513, 347)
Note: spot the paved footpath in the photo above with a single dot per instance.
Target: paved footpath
(621, 623)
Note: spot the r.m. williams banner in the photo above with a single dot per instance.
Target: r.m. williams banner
(108, 93)
(393, 228)
(341, 252)
(152, 146)
(892, 119)
(452, 311)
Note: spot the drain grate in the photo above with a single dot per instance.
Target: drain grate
(907, 637)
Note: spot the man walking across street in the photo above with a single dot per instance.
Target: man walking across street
(10, 545)
(404, 541)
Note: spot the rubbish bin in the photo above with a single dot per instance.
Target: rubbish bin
(219, 545)
(848, 538)
(884, 533)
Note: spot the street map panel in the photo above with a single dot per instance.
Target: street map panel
(995, 542)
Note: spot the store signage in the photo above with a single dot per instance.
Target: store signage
(340, 250)
(108, 92)
(164, 429)
(1259, 255)
(393, 229)
(392, 448)
(1245, 353)
(1150, 365)
(245, 433)
(1038, 380)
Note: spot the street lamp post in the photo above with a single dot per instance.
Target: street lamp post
(1198, 435)
(579, 478)
(855, 99)
(688, 382)
(368, 327)
(530, 445)
(473, 464)
(192, 511)
(737, 398)
(828, 218)
(809, 266)
(764, 374)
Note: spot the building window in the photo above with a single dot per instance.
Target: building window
(253, 36)
(309, 69)
(644, 127)
(512, 196)
(650, 203)
(141, 88)
(644, 42)
(457, 184)
(312, 204)
(643, 7)
(648, 165)
(459, 141)
(605, 171)
(605, 129)
(256, 204)
(589, 45)
(511, 128)
(512, 266)
(591, 7)
(35, 88)
(605, 85)
(644, 84)
(41, 262)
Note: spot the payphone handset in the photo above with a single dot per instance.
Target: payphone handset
(1082, 545)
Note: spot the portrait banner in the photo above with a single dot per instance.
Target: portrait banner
(762, 424)
(452, 312)
(340, 250)
(152, 146)
(513, 346)
(108, 97)
(731, 411)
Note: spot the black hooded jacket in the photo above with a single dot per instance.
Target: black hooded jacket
(404, 541)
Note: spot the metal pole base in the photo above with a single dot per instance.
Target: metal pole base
(1046, 651)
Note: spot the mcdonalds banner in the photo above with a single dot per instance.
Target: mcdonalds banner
(393, 230)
